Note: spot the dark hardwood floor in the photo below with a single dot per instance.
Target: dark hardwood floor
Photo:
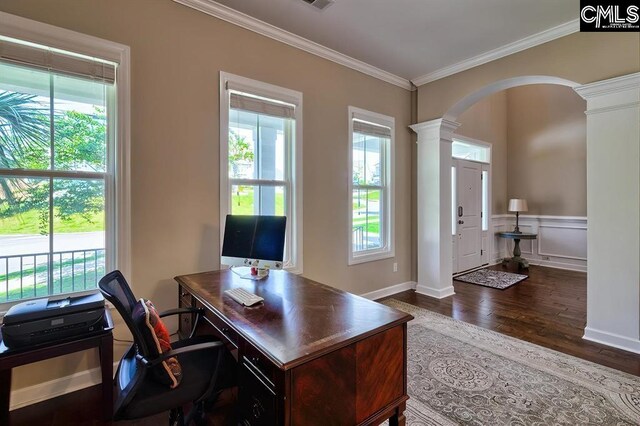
(548, 309)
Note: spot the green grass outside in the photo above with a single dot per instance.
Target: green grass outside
(243, 202)
(373, 227)
(28, 223)
(359, 205)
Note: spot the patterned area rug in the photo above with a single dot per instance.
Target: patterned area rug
(459, 373)
(491, 278)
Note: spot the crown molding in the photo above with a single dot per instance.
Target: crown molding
(610, 86)
(240, 19)
(506, 50)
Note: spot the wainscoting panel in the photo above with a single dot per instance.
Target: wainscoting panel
(556, 241)
(561, 242)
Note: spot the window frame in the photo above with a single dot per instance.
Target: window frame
(117, 186)
(387, 213)
(293, 180)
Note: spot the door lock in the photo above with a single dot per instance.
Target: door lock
(460, 222)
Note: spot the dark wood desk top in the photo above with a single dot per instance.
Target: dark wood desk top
(518, 235)
(299, 320)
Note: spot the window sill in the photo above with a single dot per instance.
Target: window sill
(371, 257)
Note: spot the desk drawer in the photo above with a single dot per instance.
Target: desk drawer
(185, 324)
(261, 364)
(257, 399)
(185, 299)
(222, 327)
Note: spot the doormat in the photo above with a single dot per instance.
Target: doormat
(491, 278)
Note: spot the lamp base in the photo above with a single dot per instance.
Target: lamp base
(517, 230)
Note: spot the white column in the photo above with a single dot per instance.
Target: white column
(434, 207)
(613, 211)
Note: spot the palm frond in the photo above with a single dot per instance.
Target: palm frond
(23, 124)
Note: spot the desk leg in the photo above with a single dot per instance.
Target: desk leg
(5, 396)
(398, 418)
(106, 366)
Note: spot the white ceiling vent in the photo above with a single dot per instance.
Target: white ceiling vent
(319, 4)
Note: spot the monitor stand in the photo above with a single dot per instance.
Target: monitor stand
(251, 273)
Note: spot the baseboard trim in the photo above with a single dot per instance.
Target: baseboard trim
(57, 387)
(559, 265)
(612, 339)
(389, 291)
(435, 292)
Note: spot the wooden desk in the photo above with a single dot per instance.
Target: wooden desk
(103, 340)
(311, 354)
(517, 236)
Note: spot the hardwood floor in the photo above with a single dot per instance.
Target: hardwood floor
(548, 309)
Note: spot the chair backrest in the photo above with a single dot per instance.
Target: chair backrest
(115, 288)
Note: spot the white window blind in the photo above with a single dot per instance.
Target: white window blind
(50, 59)
(261, 105)
(371, 129)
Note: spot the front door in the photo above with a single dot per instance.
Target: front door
(468, 214)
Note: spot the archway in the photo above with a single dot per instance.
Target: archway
(609, 103)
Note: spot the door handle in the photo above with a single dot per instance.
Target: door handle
(460, 222)
(460, 211)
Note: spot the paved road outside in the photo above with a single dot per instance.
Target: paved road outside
(29, 244)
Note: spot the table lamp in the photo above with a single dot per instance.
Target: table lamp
(518, 205)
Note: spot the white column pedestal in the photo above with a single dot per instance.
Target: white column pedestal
(434, 207)
(613, 211)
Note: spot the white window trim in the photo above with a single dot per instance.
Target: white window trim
(389, 250)
(273, 92)
(60, 38)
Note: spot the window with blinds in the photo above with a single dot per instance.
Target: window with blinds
(57, 120)
(371, 226)
(260, 154)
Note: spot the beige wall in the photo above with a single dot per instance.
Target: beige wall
(538, 137)
(176, 56)
(547, 149)
(487, 121)
(579, 57)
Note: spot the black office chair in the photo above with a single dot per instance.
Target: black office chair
(137, 393)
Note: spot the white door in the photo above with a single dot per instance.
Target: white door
(468, 214)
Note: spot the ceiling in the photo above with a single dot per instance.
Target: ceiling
(413, 38)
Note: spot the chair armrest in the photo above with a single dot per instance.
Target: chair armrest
(181, 311)
(174, 352)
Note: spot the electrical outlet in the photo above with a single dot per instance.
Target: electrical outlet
(395, 267)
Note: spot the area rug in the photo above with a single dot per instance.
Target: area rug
(491, 278)
(459, 373)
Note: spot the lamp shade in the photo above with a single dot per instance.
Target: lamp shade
(518, 205)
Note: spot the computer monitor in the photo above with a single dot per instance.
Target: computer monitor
(255, 241)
